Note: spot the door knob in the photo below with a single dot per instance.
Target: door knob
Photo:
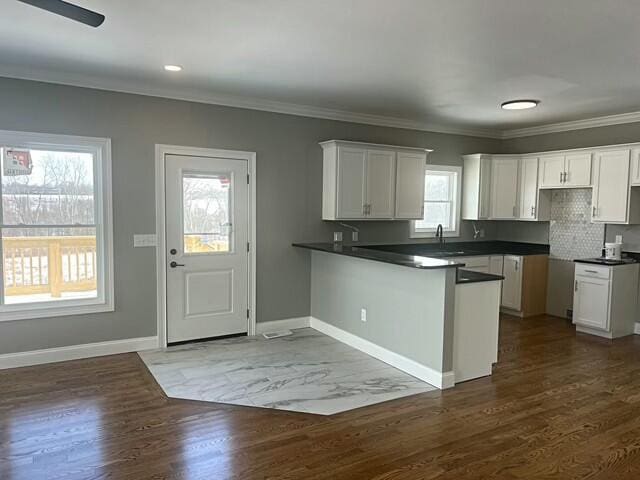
(176, 264)
(173, 251)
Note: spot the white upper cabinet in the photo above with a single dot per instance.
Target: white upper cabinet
(410, 185)
(364, 181)
(635, 166)
(534, 204)
(528, 188)
(352, 177)
(611, 186)
(476, 187)
(577, 169)
(551, 171)
(565, 170)
(381, 184)
(504, 188)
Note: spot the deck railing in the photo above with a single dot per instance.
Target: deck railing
(49, 265)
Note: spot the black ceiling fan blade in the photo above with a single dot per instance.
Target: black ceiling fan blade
(68, 10)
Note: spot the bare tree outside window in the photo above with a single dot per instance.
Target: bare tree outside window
(48, 228)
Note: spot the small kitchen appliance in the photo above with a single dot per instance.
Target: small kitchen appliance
(613, 251)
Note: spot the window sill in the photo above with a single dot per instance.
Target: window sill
(14, 312)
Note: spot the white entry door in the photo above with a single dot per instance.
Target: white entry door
(207, 256)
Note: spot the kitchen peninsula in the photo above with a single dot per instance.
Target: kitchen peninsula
(424, 315)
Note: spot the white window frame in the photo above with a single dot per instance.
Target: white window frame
(456, 199)
(101, 149)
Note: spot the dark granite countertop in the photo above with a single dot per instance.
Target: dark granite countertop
(464, 249)
(406, 260)
(469, 276)
(606, 262)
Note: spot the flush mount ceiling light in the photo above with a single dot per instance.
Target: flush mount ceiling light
(173, 68)
(519, 104)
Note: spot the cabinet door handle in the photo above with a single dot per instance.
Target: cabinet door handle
(566, 175)
(593, 213)
(575, 287)
(561, 176)
(517, 265)
(533, 211)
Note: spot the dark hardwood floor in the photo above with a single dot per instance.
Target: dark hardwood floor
(559, 405)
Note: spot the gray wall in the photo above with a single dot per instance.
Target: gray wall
(517, 231)
(289, 183)
(423, 299)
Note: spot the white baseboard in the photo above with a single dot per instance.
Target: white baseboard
(413, 368)
(75, 352)
(636, 329)
(284, 324)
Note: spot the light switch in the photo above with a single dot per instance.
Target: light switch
(146, 240)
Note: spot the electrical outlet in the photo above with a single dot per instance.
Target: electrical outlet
(363, 314)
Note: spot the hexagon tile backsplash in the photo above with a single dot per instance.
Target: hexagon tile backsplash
(571, 233)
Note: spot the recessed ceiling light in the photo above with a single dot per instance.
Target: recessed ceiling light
(172, 68)
(519, 104)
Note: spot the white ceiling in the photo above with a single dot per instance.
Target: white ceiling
(447, 63)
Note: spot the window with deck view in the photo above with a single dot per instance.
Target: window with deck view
(55, 225)
(441, 202)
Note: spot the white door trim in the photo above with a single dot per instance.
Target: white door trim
(161, 268)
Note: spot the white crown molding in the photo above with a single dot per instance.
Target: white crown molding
(191, 95)
(251, 103)
(631, 117)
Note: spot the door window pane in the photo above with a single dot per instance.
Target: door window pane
(208, 225)
(49, 264)
(42, 187)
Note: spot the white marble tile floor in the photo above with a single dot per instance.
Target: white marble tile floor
(305, 372)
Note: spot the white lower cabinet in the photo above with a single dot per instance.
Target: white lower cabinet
(475, 264)
(512, 285)
(591, 302)
(604, 299)
(496, 263)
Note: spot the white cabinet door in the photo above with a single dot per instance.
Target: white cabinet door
(484, 207)
(577, 170)
(381, 183)
(591, 302)
(528, 188)
(635, 167)
(512, 284)
(551, 171)
(351, 176)
(410, 185)
(611, 186)
(496, 264)
(504, 188)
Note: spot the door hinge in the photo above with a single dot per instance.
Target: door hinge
(248, 178)
(248, 313)
(248, 247)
